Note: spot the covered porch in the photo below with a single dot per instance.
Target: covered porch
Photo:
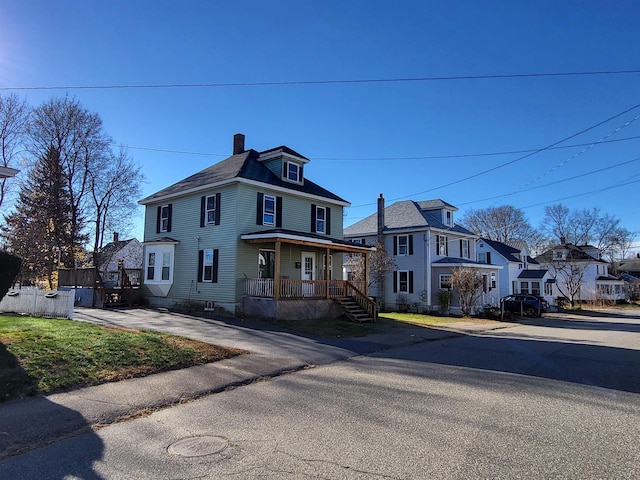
(296, 268)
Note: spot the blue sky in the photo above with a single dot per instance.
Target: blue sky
(363, 139)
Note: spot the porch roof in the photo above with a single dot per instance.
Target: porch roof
(452, 262)
(304, 238)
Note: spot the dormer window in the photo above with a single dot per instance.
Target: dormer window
(448, 218)
(292, 172)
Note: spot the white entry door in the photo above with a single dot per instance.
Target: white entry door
(308, 272)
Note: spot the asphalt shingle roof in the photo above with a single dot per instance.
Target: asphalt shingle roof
(508, 251)
(406, 214)
(242, 165)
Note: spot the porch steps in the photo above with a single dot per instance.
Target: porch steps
(353, 311)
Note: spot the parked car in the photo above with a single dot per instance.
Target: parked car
(529, 305)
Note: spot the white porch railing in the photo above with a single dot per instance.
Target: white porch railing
(264, 287)
(39, 303)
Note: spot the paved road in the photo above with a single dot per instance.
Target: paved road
(556, 398)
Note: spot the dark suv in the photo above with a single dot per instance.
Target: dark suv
(529, 305)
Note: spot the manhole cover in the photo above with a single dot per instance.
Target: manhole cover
(198, 446)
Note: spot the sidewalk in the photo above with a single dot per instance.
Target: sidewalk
(32, 422)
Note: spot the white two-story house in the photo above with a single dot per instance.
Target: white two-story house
(578, 274)
(426, 244)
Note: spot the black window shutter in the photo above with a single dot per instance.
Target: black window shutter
(461, 248)
(410, 244)
(218, 203)
(328, 221)
(170, 208)
(313, 218)
(215, 265)
(278, 212)
(395, 282)
(158, 219)
(200, 264)
(301, 178)
(437, 244)
(395, 245)
(203, 213)
(446, 246)
(410, 281)
(489, 258)
(259, 208)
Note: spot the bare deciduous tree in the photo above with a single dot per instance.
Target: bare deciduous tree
(14, 114)
(113, 187)
(583, 227)
(381, 264)
(501, 224)
(78, 137)
(467, 283)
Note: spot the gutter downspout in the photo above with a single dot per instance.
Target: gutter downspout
(427, 270)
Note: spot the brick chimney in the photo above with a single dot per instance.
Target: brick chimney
(381, 219)
(238, 143)
(116, 236)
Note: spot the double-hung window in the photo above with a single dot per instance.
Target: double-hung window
(403, 281)
(403, 245)
(210, 209)
(269, 210)
(207, 265)
(464, 248)
(443, 247)
(321, 219)
(151, 266)
(166, 265)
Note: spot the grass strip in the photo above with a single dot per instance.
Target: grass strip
(42, 356)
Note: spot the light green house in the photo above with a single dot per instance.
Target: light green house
(250, 236)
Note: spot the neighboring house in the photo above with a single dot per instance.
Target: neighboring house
(250, 235)
(427, 245)
(630, 267)
(579, 275)
(119, 255)
(520, 273)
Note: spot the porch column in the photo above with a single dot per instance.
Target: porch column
(276, 273)
(326, 272)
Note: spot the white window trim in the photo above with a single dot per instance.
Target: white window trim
(323, 219)
(462, 250)
(406, 246)
(442, 245)
(205, 264)
(265, 212)
(298, 169)
(164, 221)
(400, 290)
(159, 251)
(207, 210)
(441, 276)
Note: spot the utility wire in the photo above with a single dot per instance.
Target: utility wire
(502, 165)
(351, 159)
(593, 172)
(325, 82)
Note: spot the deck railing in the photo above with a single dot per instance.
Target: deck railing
(264, 287)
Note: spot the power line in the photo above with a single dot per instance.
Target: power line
(324, 82)
(416, 157)
(522, 157)
(593, 172)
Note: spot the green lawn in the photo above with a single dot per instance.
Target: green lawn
(418, 318)
(40, 356)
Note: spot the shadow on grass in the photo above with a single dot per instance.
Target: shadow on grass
(15, 382)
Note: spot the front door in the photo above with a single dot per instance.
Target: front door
(308, 272)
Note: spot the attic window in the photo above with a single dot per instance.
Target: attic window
(448, 217)
(292, 172)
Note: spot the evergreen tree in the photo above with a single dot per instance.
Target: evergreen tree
(38, 230)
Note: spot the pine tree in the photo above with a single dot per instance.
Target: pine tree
(38, 230)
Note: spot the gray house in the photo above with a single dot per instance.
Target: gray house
(426, 244)
(250, 235)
